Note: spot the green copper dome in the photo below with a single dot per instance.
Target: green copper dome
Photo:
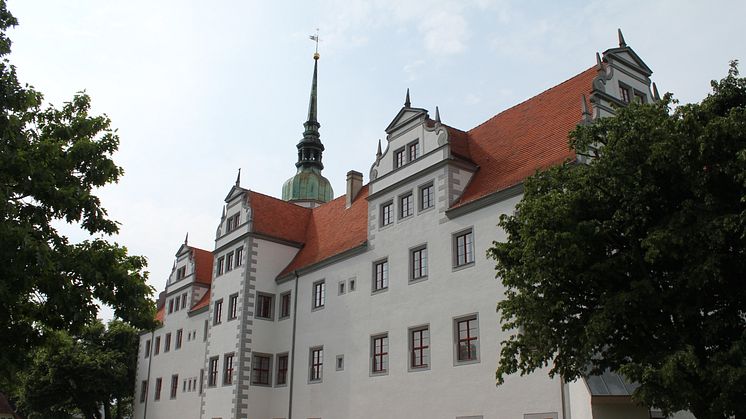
(307, 185)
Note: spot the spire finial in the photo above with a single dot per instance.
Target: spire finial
(599, 63)
(407, 102)
(238, 177)
(223, 216)
(437, 114)
(622, 44)
(378, 152)
(316, 39)
(656, 95)
(186, 239)
(584, 106)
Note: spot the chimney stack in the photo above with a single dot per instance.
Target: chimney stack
(354, 184)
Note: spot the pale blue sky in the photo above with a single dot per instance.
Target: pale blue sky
(198, 89)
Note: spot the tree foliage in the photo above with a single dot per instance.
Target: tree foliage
(86, 375)
(636, 261)
(51, 162)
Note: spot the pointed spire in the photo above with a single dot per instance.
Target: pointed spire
(310, 147)
(312, 108)
(186, 239)
(584, 106)
(622, 44)
(437, 114)
(378, 152)
(407, 102)
(223, 216)
(599, 63)
(656, 96)
(238, 178)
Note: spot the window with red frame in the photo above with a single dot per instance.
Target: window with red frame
(380, 361)
(261, 369)
(174, 385)
(419, 342)
(212, 372)
(468, 339)
(233, 307)
(319, 294)
(228, 369)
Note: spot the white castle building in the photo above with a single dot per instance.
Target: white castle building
(379, 303)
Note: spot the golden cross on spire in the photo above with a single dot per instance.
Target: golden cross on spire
(316, 39)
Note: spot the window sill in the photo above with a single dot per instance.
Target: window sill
(460, 363)
(416, 280)
(464, 266)
(379, 291)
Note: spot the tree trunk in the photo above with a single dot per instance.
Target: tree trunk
(107, 410)
(119, 410)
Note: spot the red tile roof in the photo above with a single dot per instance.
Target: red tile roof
(333, 229)
(202, 265)
(160, 314)
(459, 141)
(277, 218)
(532, 135)
(203, 302)
(507, 148)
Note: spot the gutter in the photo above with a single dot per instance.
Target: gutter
(150, 361)
(292, 347)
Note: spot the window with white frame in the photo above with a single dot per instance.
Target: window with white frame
(143, 390)
(316, 364)
(212, 371)
(228, 262)
(463, 244)
(221, 265)
(379, 353)
(157, 345)
(239, 256)
(217, 312)
(406, 205)
(387, 213)
(232, 222)
(158, 384)
(414, 150)
(400, 157)
(174, 385)
(264, 304)
(285, 305)
(466, 339)
(282, 369)
(179, 338)
(167, 343)
(380, 275)
(233, 306)
(319, 294)
(418, 263)
(427, 197)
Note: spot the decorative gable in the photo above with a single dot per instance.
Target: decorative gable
(405, 116)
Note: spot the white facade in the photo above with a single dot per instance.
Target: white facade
(365, 329)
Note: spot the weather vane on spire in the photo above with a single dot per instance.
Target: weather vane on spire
(316, 39)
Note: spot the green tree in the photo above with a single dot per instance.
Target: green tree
(636, 261)
(89, 374)
(51, 162)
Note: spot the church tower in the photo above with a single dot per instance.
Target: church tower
(308, 187)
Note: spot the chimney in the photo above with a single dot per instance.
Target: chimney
(354, 184)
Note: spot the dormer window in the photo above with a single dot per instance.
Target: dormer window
(232, 222)
(414, 150)
(624, 93)
(640, 97)
(180, 273)
(399, 158)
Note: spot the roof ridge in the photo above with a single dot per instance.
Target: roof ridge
(273, 198)
(533, 97)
